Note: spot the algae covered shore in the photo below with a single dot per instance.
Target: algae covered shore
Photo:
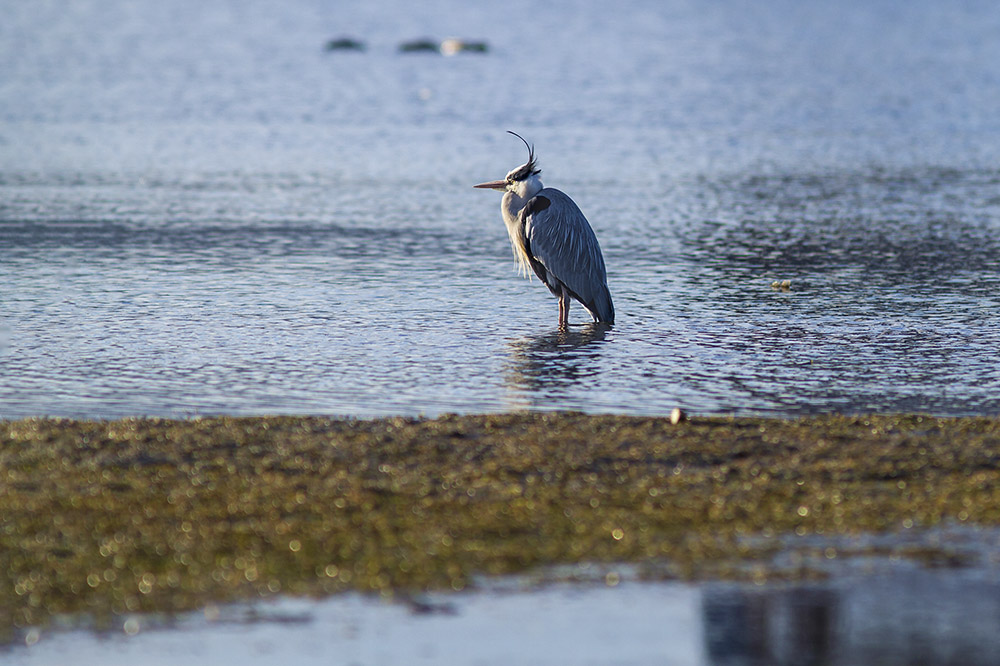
(143, 515)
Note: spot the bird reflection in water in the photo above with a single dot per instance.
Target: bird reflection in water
(553, 364)
(937, 615)
(774, 627)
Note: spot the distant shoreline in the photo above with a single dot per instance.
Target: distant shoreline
(107, 517)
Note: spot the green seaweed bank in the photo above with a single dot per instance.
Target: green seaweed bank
(166, 515)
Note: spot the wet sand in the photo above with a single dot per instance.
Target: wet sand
(168, 515)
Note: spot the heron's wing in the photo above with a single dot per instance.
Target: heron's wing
(561, 240)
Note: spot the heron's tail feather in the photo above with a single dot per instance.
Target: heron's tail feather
(601, 308)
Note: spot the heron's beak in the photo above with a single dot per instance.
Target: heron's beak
(493, 185)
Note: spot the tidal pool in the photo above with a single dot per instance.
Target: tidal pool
(873, 611)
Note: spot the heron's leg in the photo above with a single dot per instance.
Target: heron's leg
(564, 308)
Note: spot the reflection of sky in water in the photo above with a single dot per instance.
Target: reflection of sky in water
(202, 211)
(893, 613)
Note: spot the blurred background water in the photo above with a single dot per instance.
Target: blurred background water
(204, 211)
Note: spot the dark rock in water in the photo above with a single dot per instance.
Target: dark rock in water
(345, 44)
(453, 46)
(420, 46)
(449, 46)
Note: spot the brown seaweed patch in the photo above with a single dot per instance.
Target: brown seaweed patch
(143, 515)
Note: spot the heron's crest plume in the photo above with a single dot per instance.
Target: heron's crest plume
(531, 166)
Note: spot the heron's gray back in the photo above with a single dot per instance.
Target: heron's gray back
(561, 239)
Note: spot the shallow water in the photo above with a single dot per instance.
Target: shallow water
(203, 212)
(874, 611)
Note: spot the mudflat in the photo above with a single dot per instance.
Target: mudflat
(106, 517)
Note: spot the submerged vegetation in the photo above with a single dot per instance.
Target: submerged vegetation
(137, 515)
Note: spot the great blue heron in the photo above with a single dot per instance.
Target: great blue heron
(550, 236)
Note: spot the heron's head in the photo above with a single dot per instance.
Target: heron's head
(522, 181)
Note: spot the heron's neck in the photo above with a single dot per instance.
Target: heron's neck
(511, 207)
(516, 199)
(529, 187)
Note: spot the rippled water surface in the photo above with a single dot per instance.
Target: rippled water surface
(202, 211)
